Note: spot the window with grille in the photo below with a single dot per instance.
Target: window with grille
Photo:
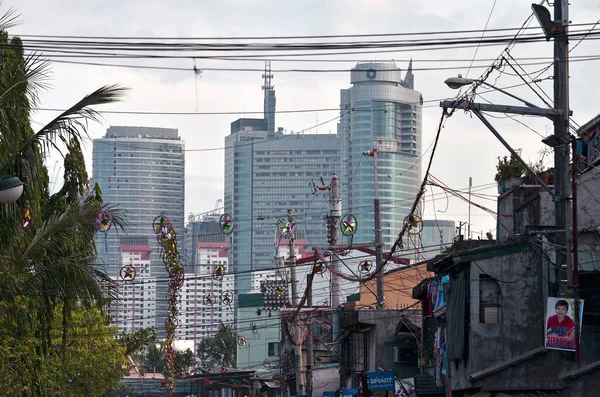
(359, 350)
(489, 300)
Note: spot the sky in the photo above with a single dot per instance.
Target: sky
(465, 149)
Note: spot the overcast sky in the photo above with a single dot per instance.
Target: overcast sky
(466, 147)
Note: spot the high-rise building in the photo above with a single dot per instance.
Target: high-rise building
(380, 114)
(141, 171)
(265, 175)
(135, 306)
(207, 299)
(207, 230)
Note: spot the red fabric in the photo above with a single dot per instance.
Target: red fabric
(566, 323)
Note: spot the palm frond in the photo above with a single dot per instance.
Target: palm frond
(37, 73)
(9, 19)
(73, 122)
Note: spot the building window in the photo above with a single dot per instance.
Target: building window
(489, 300)
(273, 349)
(359, 350)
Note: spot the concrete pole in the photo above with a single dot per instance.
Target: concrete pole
(562, 135)
(378, 237)
(309, 347)
(297, 346)
(469, 219)
(335, 213)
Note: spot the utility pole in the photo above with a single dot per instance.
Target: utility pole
(562, 135)
(333, 221)
(378, 233)
(335, 213)
(298, 346)
(309, 347)
(469, 220)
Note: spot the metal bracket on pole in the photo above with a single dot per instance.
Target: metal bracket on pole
(511, 150)
(487, 107)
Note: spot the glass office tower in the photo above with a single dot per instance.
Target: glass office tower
(265, 175)
(380, 111)
(141, 171)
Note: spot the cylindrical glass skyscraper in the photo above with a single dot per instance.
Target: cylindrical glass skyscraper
(380, 111)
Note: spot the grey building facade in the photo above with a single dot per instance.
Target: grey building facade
(380, 111)
(140, 170)
(265, 175)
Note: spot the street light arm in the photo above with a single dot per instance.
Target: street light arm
(531, 105)
(458, 82)
(512, 151)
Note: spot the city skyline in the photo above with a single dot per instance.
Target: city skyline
(161, 94)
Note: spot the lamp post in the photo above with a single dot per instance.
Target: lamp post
(477, 108)
(11, 189)
(458, 82)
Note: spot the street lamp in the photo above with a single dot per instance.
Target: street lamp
(458, 82)
(478, 108)
(11, 189)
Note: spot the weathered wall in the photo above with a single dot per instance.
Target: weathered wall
(521, 322)
(588, 202)
(384, 337)
(505, 226)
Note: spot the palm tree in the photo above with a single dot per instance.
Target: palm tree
(52, 260)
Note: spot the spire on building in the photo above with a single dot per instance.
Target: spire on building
(269, 101)
(409, 79)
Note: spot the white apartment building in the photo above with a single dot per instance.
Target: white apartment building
(204, 306)
(136, 307)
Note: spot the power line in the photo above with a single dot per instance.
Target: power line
(482, 34)
(291, 37)
(294, 70)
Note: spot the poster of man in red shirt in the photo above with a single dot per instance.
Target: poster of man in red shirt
(560, 326)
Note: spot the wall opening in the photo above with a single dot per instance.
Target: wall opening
(489, 300)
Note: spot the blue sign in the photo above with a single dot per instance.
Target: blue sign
(381, 381)
(349, 392)
(328, 394)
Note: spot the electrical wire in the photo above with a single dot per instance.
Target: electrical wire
(482, 34)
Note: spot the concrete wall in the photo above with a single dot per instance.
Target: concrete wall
(383, 338)
(588, 202)
(521, 322)
(267, 331)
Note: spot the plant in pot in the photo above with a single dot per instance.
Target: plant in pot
(541, 167)
(506, 169)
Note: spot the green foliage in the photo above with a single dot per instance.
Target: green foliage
(184, 362)
(154, 360)
(221, 350)
(508, 168)
(92, 362)
(46, 268)
(137, 341)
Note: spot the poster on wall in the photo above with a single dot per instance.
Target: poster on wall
(560, 323)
